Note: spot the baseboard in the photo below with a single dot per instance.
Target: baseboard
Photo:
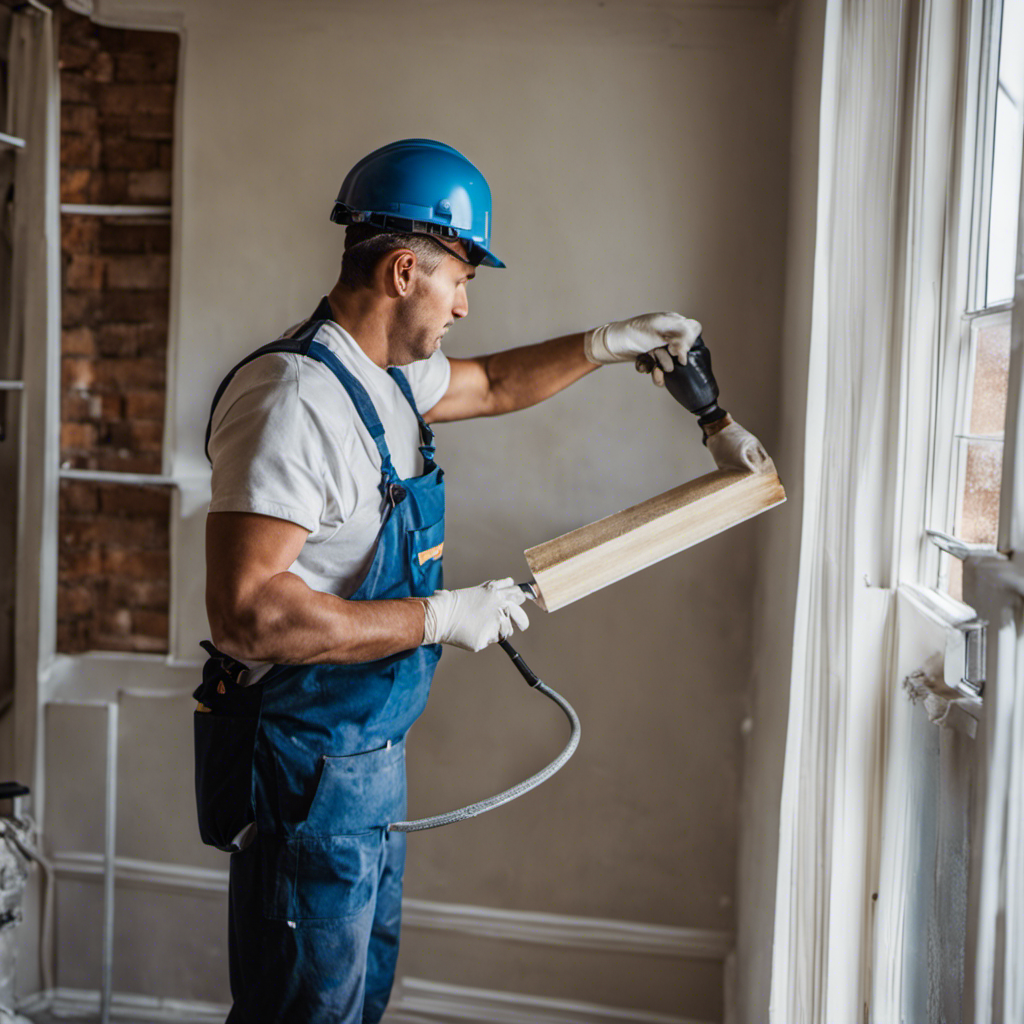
(75, 1002)
(428, 1002)
(569, 931)
(415, 1001)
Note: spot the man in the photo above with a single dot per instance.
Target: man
(324, 592)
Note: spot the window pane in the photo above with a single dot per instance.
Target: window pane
(1006, 157)
(1002, 237)
(979, 508)
(991, 377)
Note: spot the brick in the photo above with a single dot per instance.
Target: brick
(147, 66)
(152, 186)
(155, 42)
(101, 69)
(74, 56)
(148, 271)
(79, 341)
(115, 236)
(145, 405)
(76, 564)
(146, 644)
(77, 405)
(133, 98)
(80, 533)
(79, 497)
(77, 435)
(76, 185)
(74, 636)
(111, 187)
(136, 564)
(134, 307)
(80, 308)
(129, 374)
(77, 372)
(82, 273)
(74, 600)
(111, 407)
(79, 234)
(147, 435)
(79, 151)
(151, 126)
(151, 594)
(76, 88)
(77, 29)
(132, 499)
(127, 462)
(165, 159)
(116, 623)
(118, 340)
(78, 118)
(150, 623)
(127, 154)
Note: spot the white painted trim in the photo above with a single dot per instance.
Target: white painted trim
(570, 931)
(11, 140)
(415, 1001)
(12, 385)
(108, 476)
(76, 1002)
(419, 1001)
(117, 210)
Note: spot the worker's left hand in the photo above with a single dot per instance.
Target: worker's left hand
(623, 340)
(732, 447)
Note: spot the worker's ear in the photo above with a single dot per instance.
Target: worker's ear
(400, 267)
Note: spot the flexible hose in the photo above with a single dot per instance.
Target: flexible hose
(524, 787)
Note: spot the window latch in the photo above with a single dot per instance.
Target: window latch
(955, 546)
(975, 636)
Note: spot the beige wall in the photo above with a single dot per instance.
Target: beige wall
(779, 544)
(637, 155)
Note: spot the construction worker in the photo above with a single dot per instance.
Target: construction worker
(324, 592)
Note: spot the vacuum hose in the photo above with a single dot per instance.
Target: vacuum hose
(524, 787)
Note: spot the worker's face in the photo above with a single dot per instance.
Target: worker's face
(433, 303)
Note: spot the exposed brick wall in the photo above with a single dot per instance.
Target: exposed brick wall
(117, 109)
(117, 102)
(113, 591)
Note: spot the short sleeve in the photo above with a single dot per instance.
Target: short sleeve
(429, 380)
(266, 448)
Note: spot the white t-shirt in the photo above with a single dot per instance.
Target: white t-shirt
(287, 442)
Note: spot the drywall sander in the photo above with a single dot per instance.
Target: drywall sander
(691, 384)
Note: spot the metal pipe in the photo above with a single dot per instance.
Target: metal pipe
(106, 993)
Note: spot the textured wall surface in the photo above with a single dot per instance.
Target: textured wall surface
(638, 159)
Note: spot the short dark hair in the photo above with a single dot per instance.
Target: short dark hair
(366, 246)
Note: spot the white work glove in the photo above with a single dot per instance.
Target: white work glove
(475, 617)
(623, 340)
(732, 447)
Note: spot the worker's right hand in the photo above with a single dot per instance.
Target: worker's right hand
(475, 617)
(623, 340)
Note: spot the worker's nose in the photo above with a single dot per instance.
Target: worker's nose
(460, 307)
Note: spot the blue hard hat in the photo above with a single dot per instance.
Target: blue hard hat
(420, 186)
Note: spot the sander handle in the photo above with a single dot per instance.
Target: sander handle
(691, 384)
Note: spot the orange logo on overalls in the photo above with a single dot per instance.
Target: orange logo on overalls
(430, 553)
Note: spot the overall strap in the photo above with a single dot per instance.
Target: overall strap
(361, 400)
(302, 343)
(427, 447)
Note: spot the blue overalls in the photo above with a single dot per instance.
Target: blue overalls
(315, 900)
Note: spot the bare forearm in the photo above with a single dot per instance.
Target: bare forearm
(521, 377)
(287, 623)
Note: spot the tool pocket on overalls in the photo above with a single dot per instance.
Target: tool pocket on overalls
(224, 727)
(425, 547)
(329, 868)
